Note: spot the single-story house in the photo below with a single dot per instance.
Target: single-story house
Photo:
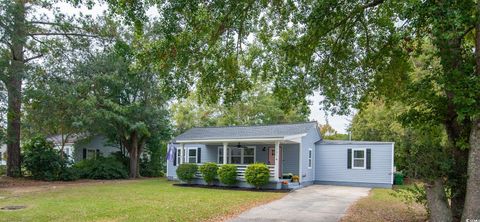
(296, 148)
(3, 155)
(80, 147)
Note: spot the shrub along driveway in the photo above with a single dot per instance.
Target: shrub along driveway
(126, 200)
(312, 203)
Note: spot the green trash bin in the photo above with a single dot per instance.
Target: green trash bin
(398, 179)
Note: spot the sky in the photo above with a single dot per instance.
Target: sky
(339, 123)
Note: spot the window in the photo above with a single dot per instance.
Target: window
(310, 161)
(236, 155)
(179, 156)
(245, 155)
(358, 159)
(192, 155)
(91, 154)
(220, 155)
(249, 155)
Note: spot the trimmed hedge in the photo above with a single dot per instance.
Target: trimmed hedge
(227, 174)
(106, 168)
(209, 172)
(186, 172)
(257, 174)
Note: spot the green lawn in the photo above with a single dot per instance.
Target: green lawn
(142, 200)
(381, 205)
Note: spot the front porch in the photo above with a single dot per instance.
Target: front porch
(281, 157)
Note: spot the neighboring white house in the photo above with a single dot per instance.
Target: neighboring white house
(80, 147)
(3, 155)
(287, 149)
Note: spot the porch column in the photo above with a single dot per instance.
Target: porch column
(182, 153)
(225, 145)
(277, 159)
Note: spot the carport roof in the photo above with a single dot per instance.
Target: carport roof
(279, 131)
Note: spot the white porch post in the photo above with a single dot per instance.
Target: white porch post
(277, 159)
(300, 162)
(225, 145)
(182, 153)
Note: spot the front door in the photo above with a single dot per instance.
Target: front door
(271, 159)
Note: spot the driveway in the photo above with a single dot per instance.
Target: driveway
(312, 203)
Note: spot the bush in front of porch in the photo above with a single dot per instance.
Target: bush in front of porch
(257, 174)
(227, 174)
(186, 172)
(209, 172)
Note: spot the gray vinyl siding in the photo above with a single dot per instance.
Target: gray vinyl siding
(96, 143)
(204, 157)
(290, 159)
(331, 164)
(209, 153)
(308, 142)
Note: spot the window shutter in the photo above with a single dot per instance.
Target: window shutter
(349, 159)
(199, 155)
(175, 157)
(84, 153)
(369, 158)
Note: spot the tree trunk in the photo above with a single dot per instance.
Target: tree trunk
(471, 209)
(437, 202)
(14, 89)
(133, 153)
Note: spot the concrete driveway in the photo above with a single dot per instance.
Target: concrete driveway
(312, 203)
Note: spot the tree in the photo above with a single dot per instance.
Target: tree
(123, 101)
(414, 144)
(361, 49)
(257, 106)
(51, 107)
(27, 34)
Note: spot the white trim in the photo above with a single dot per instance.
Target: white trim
(310, 158)
(187, 155)
(393, 158)
(364, 158)
(277, 160)
(295, 137)
(300, 162)
(182, 153)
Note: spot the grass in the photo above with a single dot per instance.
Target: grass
(381, 205)
(142, 200)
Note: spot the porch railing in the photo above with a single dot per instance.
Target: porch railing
(241, 171)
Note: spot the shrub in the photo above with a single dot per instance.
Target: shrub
(227, 174)
(154, 162)
(106, 168)
(209, 172)
(3, 170)
(257, 174)
(43, 162)
(186, 172)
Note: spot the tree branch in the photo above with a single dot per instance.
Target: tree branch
(32, 58)
(63, 34)
(372, 4)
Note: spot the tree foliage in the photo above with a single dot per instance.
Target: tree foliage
(257, 106)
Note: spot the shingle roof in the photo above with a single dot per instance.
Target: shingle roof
(349, 142)
(246, 132)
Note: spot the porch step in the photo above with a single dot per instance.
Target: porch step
(294, 185)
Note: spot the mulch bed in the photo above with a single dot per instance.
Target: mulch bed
(231, 188)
